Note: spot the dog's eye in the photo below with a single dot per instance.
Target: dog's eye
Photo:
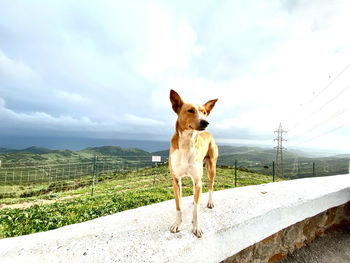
(191, 111)
(205, 113)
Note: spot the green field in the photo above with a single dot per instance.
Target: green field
(112, 193)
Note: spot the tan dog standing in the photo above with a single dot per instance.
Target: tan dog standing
(190, 146)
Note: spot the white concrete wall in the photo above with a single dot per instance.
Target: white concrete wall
(241, 217)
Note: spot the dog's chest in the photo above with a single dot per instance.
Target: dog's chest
(184, 161)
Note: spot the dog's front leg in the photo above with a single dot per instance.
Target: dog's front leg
(176, 227)
(197, 198)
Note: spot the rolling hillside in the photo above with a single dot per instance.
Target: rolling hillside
(47, 156)
(297, 164)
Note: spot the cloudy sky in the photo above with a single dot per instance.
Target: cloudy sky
(104, 69)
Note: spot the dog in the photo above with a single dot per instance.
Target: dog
(189, 147)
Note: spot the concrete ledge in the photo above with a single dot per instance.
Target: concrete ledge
(241, 217)
(287, 240)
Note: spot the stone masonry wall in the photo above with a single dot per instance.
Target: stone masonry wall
(284, 242)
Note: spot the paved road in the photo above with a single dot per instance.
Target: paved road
(331, 248)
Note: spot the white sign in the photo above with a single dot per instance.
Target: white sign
(156, 158)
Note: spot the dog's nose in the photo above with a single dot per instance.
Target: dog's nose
(203, 123)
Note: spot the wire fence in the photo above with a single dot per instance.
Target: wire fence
(31, 179)
(295, 169)
(34, 179)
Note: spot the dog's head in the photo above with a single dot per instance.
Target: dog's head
(191, 116)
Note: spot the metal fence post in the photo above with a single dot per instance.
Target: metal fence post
(93, 176)
(273, 171)
(313, 169)
(235, 173)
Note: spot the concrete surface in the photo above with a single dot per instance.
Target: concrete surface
(241, 217)
(331, 248)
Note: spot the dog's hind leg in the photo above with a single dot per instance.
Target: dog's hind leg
(210, 164)
(176, 227)
(211, 171)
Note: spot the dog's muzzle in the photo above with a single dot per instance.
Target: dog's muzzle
(202, 125)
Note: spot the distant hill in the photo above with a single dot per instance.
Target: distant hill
(249, 155)
(114, 151)
(342, 156)
(244, 154)
(79, 143)
(5, 150)
(33, 149)
(37, 150)
(43, 155)
(161, 153)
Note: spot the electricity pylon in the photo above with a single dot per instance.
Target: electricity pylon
(279, 151)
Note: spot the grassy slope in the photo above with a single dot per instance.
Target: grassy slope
(42, 155)
(112, 194)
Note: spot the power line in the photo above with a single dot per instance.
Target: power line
(323, 90)
(320, 135)
(334, 115)
(329, 83)
(322, 107)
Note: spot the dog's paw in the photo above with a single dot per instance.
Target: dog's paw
(210, 205)
(175, 228)
(197, 232)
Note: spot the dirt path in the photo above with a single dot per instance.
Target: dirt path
(25, 205)
(331, 248)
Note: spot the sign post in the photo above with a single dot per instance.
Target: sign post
(155, 159)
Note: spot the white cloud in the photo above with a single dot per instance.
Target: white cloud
(43, 120)
(169, 44)
(141, 121)
(71, 97)
(15, 71)
(2, 103)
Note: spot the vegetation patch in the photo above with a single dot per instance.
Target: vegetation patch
(113, 193)
(15, 222)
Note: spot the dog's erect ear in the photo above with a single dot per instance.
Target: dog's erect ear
(176, 101)
(210, 105)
